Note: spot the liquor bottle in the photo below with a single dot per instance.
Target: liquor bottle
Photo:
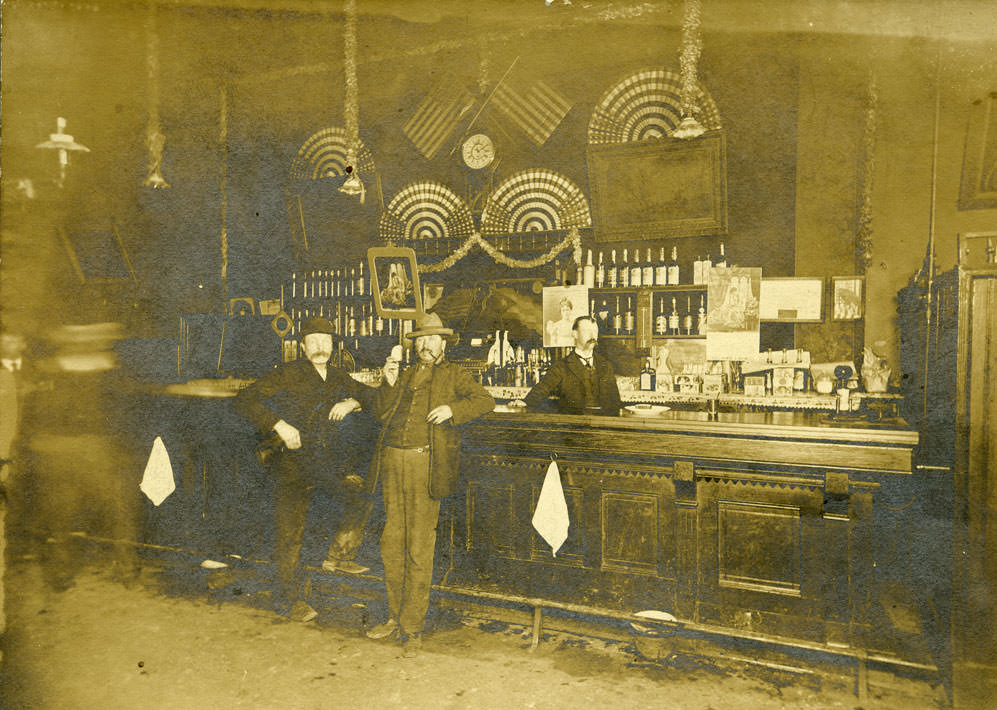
(624, 277)
(603, 314)
(722, 259)
(361, 286)
(363, 322)
(687, 318)
(294, 286)
(588, 274)
(701, 325)
(379, 325)
(648, 275)
(661, 271)
(697, 271)
(600, 273)
(613, 276)
(628, 318)
(579, 274)
(636, 273)
(661, 322)
(351, 327)
(617, 318)
(673, 319)
(673, 268)
(648, 377)
(353, 282)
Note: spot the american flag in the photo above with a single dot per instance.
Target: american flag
(537, 108)
(437, 116)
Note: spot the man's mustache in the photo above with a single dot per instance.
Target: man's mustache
(322, 353)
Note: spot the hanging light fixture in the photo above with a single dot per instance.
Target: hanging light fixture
(351, 109)
(64, 143)
(154, 138)
(692, 45)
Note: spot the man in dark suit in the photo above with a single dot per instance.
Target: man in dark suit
(417, 454)
(298, 401)
(584, 380)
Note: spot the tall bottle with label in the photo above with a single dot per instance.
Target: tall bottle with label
(361, 282)
(600, 273)
(701, 324)
(661, 322)
(624, 278)
(636, 273)
(687, 318)
(673, 268)
(648, 276)
(617, 319)
(673, 319)
(588, 273)
(722, 259)
(661, 270)
(611, 274)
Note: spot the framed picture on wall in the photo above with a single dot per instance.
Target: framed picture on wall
(847, 297)
(394, 282)
(978, 188)
(660, 188)
(792, 300)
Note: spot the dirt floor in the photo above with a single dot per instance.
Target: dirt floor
(170, 635)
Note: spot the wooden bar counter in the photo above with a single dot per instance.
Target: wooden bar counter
(757, 524)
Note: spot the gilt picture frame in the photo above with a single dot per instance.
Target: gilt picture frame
(394, 282)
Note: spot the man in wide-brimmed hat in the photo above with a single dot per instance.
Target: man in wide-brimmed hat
(295, 403)
(416, 457)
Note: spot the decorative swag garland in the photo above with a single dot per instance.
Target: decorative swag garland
(863, 229)
(573, 239)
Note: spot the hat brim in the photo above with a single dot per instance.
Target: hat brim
(429, 331)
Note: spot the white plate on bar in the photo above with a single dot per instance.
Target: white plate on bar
(646, 410)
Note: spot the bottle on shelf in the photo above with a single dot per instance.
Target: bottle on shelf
(624, 275)
(701, 324)
(648, 377)
(722, 259)
(661, 270)
(588, 273)
(687, 318)
(600, 273)
(636, 272)
(361, 282)
(697, 270)
(628, 318)
(673, 319)
(673, 268)
(579, 273)
(617, 319)
(602, 314)
(661, 322)
(612, 273)
(647, 278)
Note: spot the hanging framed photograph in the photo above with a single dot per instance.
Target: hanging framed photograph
(792, 300)
(660, 188)
(97, 253)
(978, 188)
(394, 282)
(847, 297)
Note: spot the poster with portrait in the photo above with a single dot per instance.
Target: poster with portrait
(395, 282)
(561, 305)
(732, 317)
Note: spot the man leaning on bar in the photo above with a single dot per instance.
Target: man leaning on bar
(583, 381)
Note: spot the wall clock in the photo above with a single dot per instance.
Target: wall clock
(478, 151)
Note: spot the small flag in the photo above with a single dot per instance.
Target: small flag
(437, 116)
(157, 481)
(536, 108)
(551, 516)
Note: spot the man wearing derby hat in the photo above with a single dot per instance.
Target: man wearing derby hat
(416, 457)
(303, 402)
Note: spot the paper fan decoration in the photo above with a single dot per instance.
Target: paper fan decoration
(426, 210)
(535, 200)
(646, 105)
(324, 156)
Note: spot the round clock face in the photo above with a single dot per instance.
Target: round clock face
(478, 151)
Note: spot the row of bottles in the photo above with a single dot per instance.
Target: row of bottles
(635, 273)
(348, 321)
(615, 315)
(325, 284)
(510, 366)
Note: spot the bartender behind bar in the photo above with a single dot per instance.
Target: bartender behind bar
(583, 381)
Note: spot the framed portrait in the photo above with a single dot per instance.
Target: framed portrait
(394, 282)
(792, 300)
(847, 297)
(561, 305)
(661, 188)
(978, 187)
(97, 253)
